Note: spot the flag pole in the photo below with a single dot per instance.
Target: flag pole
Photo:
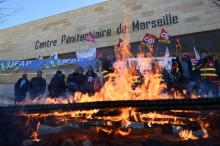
(157, 48)
(176, 50)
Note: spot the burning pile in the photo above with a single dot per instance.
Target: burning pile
(126, 126)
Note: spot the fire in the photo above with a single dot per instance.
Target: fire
(123, 132)
(156, 118)
(187, 135)
(128, 118)
(106, 130)
(34, 135)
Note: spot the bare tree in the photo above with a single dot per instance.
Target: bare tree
(217, 2)
(5, 11)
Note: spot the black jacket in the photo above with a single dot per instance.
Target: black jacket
(180, 74)
(89, 81)
(57, 86)
(37, 86)
(73, 78)
(21, 91)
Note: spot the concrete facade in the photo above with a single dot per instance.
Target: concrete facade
(193, 16)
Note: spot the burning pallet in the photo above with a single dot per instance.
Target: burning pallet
(159, 122)
(154, 105)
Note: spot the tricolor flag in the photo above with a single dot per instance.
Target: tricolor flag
(54, 55)
(149, 39)
(164, 36)
(178, 44)
(40, 57)
(167, 53)
(196, 54)
(90, 37)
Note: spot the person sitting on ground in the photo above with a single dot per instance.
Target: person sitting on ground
(37, 86)
(21, 88)
(57, 86)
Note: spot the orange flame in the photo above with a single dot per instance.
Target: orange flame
(34, 135)
(187, 135)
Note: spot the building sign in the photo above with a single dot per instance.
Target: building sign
(137, 25)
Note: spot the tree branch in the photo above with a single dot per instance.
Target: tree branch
(217, 2)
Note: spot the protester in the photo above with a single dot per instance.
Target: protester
(37, 86)
(21, 88)
(136, 76)
(81, 80)
(97, 84)
(90, 77)
(184, 77)
(182, 68)
(106, 68)
(57, 86)
(162, 73)
(210, 74)
(73, 80)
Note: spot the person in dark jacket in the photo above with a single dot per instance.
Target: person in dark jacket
(81, 80)
(161, 73)
(137, 78)
(37, 86)
(182, 68)
(90, 77)
(21, 88)
(185, 78)
(106, 68)
(73, 80)
(57, 86)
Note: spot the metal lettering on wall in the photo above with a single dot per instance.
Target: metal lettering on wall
(137, 25)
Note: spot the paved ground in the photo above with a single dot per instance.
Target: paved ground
(6, 94)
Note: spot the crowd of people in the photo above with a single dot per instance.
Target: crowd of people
(200, 79)
(59, 85)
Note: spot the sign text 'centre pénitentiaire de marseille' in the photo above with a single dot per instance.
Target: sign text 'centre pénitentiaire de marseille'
(137, 25)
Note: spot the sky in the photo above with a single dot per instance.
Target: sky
(22, 11)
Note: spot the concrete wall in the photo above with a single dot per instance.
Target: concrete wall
(193, 15)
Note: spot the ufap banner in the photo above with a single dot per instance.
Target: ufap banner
(84, 63)
(33, 65)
